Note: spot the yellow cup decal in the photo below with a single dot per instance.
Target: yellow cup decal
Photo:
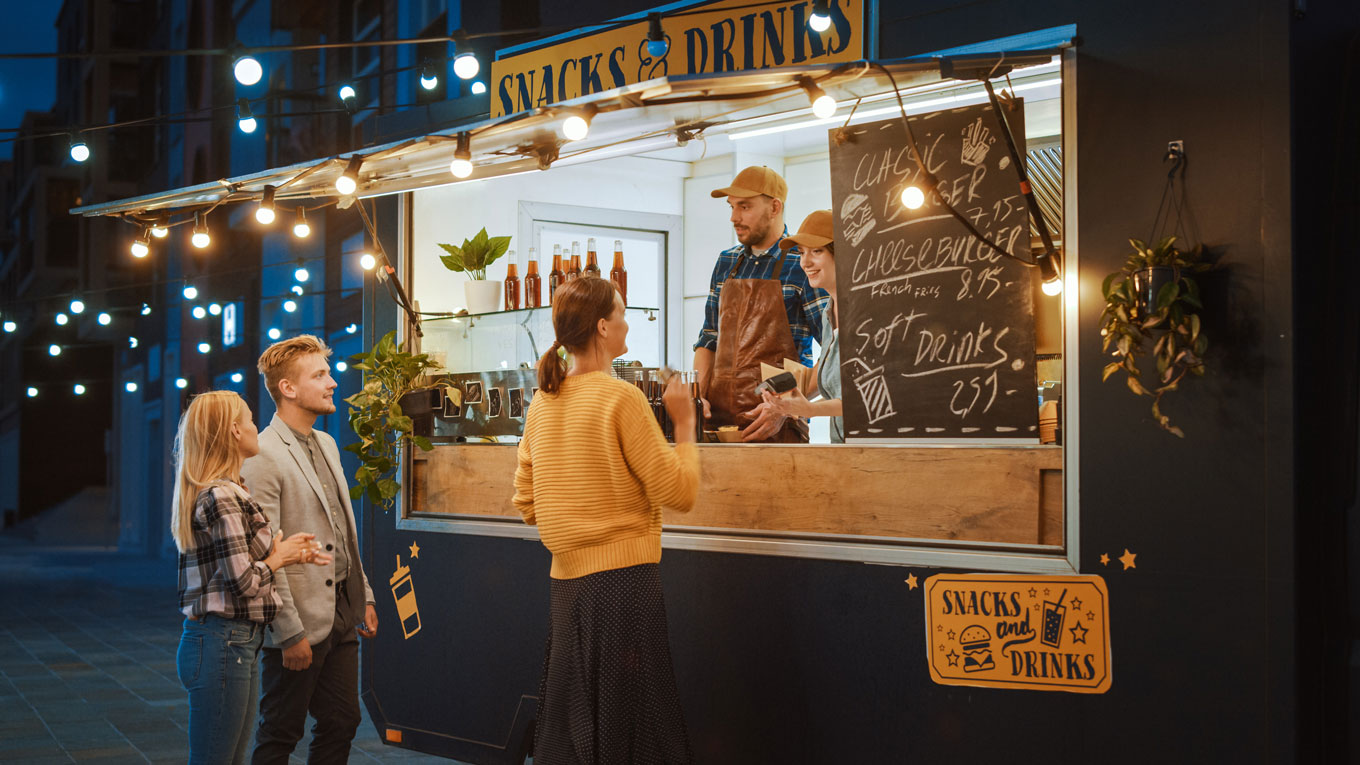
(1043, 633)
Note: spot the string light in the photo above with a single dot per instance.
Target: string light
(190, 293)
(105, 319)
(300, 229)
(352, 328)
(289, 306)
(244, 119)
(204, 347)
(199, 312)
(181, 383)
(577, 126)
(77, 306)
(346, 92)
(348, 181)
(367, 262)
(478, 88)
(132, 341)
(130, 387)
(236, 377)
(820, 20)
(78, 389)
(11, 326)
(200, 239)
(341, 366)
(140, 247)
(265, 212)
(146, 308)
(301, 274)
(461, 166)
(466, 65)
(79, 151)
(247, 70)
(159, 231)
(913, 197)
(428, 79)
(1048, 271)
(62, 319)
(54, 350)
(215, 309)
(823, 106)
(297, 290)
(657, 44)
(32, 392)
(274, 333)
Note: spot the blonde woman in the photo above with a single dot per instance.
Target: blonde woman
(227, 560)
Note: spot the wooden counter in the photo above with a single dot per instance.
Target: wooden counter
(982, 494)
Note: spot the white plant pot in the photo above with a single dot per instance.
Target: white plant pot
(483, 295)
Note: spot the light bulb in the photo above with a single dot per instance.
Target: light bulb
(264, 215)
(466, 66)
(77, 306)
(159, 231)
(824, 106)
(352, 328)
(274, 333)
(301, 274)
(461, 168)
(204, 347)
(341, 366)
(105, 320)
(428, 79)
(146, 309)
(657, 44)
(575, 127)
(820, 20)
(289, 306)
(78, 389)
(199, 312)
(214, 308)
(345, 185)
(32, 392)
(300, 229)
(11, 326)
(181, 383)
(62, 319)
(913, 197)
(1052, 287)
(478, 88)
(79, 151)
(200, 239)
(140, 248)
(190, 293)
(296, 290)
(237, 377)
(247, 125)
(132, 341)
(54, 350)
(367, 262)
(247, 70)
(346, 92)
(131, 387)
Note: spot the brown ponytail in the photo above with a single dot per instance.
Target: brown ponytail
(577, 309)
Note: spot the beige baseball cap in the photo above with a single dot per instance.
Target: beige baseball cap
(815, 232)
(754, 181)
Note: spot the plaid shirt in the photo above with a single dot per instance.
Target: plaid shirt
(225, 572)
(803, 303)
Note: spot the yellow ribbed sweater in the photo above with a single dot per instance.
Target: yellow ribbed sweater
(594, 472)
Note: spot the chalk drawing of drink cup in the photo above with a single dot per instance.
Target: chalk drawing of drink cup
(405, 595)
(873, 390)
(1054, 616)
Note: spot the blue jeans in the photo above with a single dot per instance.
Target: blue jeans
(218, 663)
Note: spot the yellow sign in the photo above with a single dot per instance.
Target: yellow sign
(1046, 633)
(724, 36)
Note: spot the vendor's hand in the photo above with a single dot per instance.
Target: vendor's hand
(708, 411)
(791, 404)
(767, 422)
(298, 656)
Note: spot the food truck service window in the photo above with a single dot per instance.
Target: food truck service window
(952, 343)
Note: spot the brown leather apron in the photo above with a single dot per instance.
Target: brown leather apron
(753, 327)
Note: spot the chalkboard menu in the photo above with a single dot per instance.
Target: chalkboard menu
(936, 328)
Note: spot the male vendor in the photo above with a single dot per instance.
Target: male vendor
(760, 306)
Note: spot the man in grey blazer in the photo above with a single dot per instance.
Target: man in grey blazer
(311, 655)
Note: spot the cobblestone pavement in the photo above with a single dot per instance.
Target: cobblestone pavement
(87, 663)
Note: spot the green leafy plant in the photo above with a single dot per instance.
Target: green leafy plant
(375, 416)
(1170, 320)
(476, 254)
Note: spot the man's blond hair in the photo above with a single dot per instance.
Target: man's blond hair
(278, 360)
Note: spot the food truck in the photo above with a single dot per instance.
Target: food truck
(1008, 558)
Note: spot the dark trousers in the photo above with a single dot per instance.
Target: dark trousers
(328, 689)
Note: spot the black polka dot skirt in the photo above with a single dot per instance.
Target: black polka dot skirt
(608, 689)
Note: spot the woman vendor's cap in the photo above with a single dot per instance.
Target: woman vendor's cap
(815, 232)
(754, 181)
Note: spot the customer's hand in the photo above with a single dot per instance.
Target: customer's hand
(370, 626)
(298, 656)
(299, 548)
(680, 407)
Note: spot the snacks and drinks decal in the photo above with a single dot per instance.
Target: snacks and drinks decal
(404, 594)
(1048, 633)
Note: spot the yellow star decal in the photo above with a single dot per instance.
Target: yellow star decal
(1104, 559)
(1127, 559)
(415, 550)
(911, 581)
(1078, 633)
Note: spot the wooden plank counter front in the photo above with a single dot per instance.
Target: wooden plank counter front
(982, 494)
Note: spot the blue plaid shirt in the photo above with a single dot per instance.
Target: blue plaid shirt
(803, 303)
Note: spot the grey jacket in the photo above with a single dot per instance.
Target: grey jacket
(282, 480)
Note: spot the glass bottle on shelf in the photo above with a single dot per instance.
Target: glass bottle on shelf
(533, 283)
(592, 260)
(618, 274)
(511, 285)
(556, 278)
(574, 270)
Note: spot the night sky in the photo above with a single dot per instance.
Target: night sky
(26, 85)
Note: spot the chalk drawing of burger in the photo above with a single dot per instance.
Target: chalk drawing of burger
(857, 218)
(976, 643)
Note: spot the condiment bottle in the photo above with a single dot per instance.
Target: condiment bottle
(618, 274)
(556, 278)
(533, 283)
(592, 261)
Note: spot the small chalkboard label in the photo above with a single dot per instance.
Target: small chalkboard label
(936, 328)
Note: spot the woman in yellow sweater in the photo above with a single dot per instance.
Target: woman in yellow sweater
(594, 472)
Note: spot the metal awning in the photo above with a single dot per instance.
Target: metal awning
(648, 116)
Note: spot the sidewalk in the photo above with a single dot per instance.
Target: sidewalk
(87, 662)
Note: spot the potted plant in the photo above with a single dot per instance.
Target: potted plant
(1154, 298)
(472, 258)
(391, 375)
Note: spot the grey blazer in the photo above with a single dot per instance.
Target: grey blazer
(282, 480)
